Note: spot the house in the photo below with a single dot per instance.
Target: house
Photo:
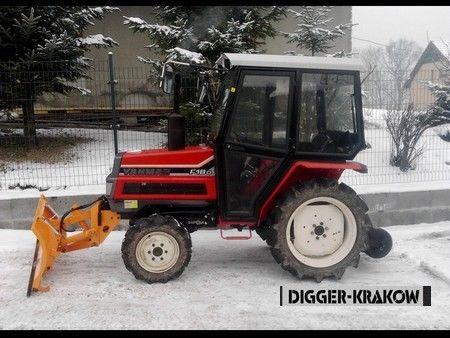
(433, 65)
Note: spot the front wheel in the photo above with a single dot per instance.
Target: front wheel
(156, 249)
(318, 229)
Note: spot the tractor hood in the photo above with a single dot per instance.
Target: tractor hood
(161, 175)
(190, 157)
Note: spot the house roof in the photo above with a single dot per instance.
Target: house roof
(435, 51)
(443, 47)
(291, 61)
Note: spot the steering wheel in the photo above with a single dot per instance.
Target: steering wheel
(321, 141)
(239, 136)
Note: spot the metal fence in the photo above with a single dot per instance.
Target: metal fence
(384, 95)
(75, 131)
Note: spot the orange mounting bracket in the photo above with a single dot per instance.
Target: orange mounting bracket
(52, 238)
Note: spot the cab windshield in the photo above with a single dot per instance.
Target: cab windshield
(327, 113)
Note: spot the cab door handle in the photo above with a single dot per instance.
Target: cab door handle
(229, 146)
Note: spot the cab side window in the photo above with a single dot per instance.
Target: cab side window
(261, 111)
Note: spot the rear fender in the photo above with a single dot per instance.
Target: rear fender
(301, 171)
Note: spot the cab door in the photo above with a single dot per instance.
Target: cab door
(255, 140)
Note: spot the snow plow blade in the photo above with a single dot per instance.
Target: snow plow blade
(94, 222)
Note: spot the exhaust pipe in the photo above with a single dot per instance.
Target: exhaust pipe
(176, 132)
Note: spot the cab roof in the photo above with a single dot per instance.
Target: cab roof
(290, 61)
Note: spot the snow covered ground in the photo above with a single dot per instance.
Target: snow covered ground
(228, 284)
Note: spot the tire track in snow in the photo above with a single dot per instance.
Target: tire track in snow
(426, 268)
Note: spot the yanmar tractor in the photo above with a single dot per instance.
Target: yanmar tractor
(284, 128)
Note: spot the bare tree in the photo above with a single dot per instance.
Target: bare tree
(405, 130)
(407, 126)
(394, 64)
(375, 84)
(399, 59)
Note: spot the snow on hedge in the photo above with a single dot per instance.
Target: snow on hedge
(98, 40)
(167, 31)
(184, 55)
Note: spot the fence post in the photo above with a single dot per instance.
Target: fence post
(112, 82)
(176, 122)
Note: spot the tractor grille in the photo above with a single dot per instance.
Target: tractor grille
(165, 188)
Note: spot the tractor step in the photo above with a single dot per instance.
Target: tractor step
(234, 238)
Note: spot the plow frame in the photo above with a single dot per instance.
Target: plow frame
(53, 235)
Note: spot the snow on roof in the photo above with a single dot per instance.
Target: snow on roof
(443, 47)
(291, 61)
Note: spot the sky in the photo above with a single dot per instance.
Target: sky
(384, 23)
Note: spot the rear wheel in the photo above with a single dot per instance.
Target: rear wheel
(318, 229)
(156, 249)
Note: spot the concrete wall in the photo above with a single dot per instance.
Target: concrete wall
(385, 208)
(131, 45)
(412, 207)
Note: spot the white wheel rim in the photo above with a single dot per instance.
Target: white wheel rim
(157, 252)
(333, 253)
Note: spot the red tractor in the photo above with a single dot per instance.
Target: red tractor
(283, 130)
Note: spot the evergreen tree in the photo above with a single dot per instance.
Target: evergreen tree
(199, 35)
(43, 50)
(440, 111)
(313, 32)
(209, 31)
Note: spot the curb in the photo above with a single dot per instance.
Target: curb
(385, 209)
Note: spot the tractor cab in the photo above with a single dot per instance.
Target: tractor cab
(275, 110)
(270, 111)
(313, 103)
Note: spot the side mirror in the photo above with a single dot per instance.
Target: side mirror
(227, 63)
(167, 77)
